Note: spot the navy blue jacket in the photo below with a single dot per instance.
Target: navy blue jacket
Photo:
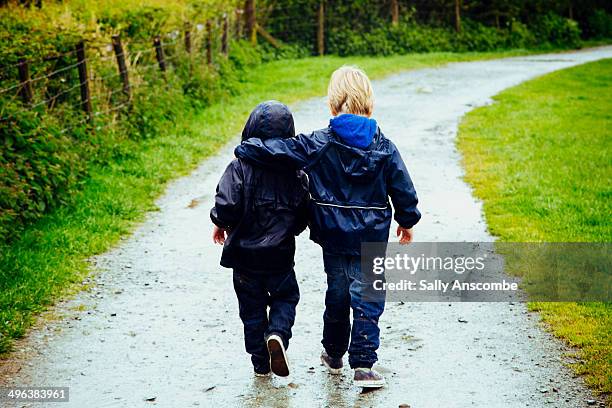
(263, 208)
(353, 169)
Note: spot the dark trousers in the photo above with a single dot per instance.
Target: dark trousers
(345, 288)
(257, 293)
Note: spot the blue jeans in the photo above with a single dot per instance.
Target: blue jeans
(345, 287)
(257, 293)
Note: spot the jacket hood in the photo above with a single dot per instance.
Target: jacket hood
(359, 164)
(354, 130)
(269, 119)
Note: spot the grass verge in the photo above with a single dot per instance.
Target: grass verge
(539, 158)
(49, 260)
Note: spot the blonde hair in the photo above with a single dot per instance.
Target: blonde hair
(350, 91)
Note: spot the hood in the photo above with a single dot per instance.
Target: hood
(359, 164)
(269, 119)
(354, 130)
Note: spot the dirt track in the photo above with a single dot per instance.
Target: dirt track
(162, 321)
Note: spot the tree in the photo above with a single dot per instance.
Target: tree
(251, 21)
(458, 5)
(394, 12)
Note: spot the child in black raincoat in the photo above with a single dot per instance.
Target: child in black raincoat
(257, 214)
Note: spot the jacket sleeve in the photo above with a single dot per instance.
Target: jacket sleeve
(227, 211)
(299, 152)
(401, 190)
(302, 210)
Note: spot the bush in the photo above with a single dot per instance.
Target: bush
(139, 24)
(556, 30)
(600, 24)
(419, 38)
(46, 152)
(39, 168)
(411, 37)
(478, 37)
(243, 55)
(520, 36)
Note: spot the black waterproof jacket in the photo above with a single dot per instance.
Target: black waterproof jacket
(349, 186)
(263, 209)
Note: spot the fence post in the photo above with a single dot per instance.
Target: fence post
(159, 54)
(394, 12)
(188, 38)
(238, 27)
(251, 21)
(26, 84)
(225, 35)
(458, 4)
(321, 28)
(123, 72)
(84, 80)
(209, 41)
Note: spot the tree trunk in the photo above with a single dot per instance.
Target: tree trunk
(394, 12)
(458, 15)
(321, 29)
(251, 21)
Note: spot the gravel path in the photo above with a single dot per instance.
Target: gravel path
(161, 320)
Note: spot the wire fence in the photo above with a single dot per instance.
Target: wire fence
(94, 75)
(99, 79)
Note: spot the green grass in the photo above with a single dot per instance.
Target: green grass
(540, 159)
(49, 260)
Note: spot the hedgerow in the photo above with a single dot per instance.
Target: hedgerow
(47, 146)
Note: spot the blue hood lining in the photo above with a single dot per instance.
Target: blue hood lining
(354, 130)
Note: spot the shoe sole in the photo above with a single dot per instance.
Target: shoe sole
(333, 371)
(278, 358)
(370, 383)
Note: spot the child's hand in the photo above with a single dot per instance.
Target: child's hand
(405, 235)
(219, 235)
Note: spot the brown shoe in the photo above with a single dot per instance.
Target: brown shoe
(334, 365)
(278, 356)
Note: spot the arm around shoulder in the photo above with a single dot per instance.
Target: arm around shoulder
(299, 152)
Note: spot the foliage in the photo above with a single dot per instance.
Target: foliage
(39, 167)
(363, 27)
(557, 30)
(600, 24)
(42, 149)
(412, 37)
(520, 36)
(539, 158)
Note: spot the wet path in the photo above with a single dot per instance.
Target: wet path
(162, 320)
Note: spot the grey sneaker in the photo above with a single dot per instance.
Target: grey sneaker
(278, 356)
(334, 365)
(368, 378)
